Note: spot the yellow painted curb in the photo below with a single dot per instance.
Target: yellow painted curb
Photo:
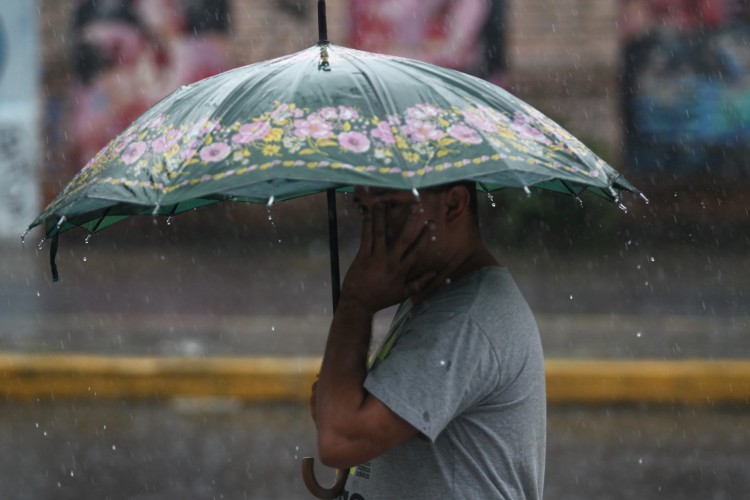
(653, 381)
(31, 377)
(28, 377)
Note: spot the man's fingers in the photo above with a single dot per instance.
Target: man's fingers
(378, 227)
(420, 243)
(365, 241)
(410, 230)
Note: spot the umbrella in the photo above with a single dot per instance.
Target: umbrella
(326, 118)
(323, 119)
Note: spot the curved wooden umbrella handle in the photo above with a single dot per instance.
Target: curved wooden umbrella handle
(314, 487)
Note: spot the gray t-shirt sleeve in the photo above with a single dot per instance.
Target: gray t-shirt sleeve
(441, 365)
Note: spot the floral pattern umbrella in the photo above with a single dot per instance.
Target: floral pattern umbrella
(327, 117)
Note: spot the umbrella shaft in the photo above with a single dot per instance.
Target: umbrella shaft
(322, 23)
(333, 244)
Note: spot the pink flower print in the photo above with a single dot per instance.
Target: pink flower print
(188, 153)
(281, 112)
(99, 155)
(527, 131)
(215, 152)
(464, 134)
(328, 113)
(250, 132)
(156, 121)
(284, 111)
(209, 126)
(314, 127)
(166, 141)
(422, 112)
(347, 113)
(354, 141)
(479, 120)
(383, 132)
(421, 131)
(133, 152)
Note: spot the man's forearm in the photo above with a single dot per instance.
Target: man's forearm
(339, 391)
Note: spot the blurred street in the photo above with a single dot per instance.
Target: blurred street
(197, 450)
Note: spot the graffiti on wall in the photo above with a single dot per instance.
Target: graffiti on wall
(467, 35)
(129, 54)
(686, 85)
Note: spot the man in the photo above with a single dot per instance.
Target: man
(454, 404)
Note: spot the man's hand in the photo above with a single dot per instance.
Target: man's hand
(381, 274)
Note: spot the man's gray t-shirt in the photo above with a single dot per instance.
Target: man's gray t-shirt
(467, 371)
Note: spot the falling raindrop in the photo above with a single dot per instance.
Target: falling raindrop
(489, 195)
(415, 193)
(38, 294)
(639, 334)
(60, 222)
(571, 296)
(643, 197)
(270, 217)
(88, 238)
(273, 328)
(652, 259)
(114, 447)
(270, 201)
(492, 199)
(84, 258)
(169, 220)
(527, 190)
(622, 207)
(23, 237)
(41, 243)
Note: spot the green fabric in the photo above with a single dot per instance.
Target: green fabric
(286, 128)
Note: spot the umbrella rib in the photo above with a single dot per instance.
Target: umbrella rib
(106, 213)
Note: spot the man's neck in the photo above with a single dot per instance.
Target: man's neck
(459, 265)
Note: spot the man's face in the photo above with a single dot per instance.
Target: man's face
(397, 205)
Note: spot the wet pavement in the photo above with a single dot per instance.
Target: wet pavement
(263, 289)
(197, 450)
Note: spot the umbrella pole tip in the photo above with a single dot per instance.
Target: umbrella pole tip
(322, 23)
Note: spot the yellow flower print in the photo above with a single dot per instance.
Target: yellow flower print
(411, 157)
(275, 135)
(271, 150)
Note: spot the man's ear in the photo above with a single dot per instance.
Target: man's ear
(457, 201)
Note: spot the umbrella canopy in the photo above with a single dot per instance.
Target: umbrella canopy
(325, 117)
